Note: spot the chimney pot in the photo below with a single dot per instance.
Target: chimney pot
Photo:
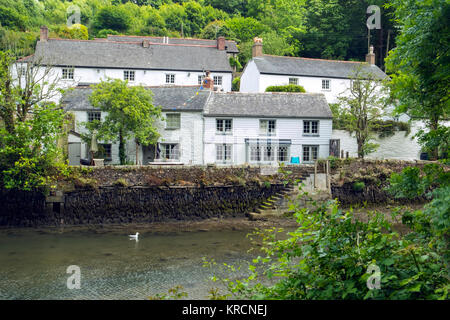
(145, 43)
(370, 57)
(221, 43)
(44, 33)
(257, 49)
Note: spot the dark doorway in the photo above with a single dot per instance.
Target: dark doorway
(148, 154)
(335, 146)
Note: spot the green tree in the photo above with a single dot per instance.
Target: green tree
(362, 105)
(420, 62)
(130, 113)
(30, 125)
(245, 28)
(112, 17)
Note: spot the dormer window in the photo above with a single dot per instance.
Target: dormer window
(129, 75)
(67, 73)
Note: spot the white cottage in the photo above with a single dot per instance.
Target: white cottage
(330, 77)
(181, 140)
(147, 61)
(266, 128)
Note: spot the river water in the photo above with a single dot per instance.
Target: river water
(33, 263)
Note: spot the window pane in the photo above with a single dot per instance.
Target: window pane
(263, 126)
(314, 127)
(271, 127)
(173, 120)
(255, 153)
(217, 80)
(219, 152)
(306, 127)
(228, 125)
(269, 154)
(227, 152)
(293, 80)
(315, 151)
(306, 157)
(283, 153)
(94, 116)
(219, 125)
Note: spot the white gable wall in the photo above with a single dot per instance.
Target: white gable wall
(250, 78)
(311, 84)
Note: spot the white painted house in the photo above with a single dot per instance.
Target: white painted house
(266, 128)
(330, 77)
(209, 127)
(144, 61)
(181, 131)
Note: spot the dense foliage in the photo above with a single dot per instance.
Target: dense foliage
(130, 113)
(421, 68)
(30, 126)
(310, 28)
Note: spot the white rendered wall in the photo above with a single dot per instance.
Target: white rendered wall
(250, 78)
(142, 77)
(249, 128)
(311, 84)
(189, 136)
(399, 146)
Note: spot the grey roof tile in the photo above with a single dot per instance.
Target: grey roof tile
(314, 67)
(169, 98)
(108, 54)
(275, 105)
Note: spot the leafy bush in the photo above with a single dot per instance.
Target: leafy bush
(358, 186)
(236, 84)
(329, 255)
(286, 88)
(30, 156)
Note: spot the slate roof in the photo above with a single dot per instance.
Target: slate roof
(293, 66)
(270, 105)
(230, 46)
(169, 98)
(108, 54)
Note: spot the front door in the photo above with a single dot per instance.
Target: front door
(74, 153)
(335, 146)
(148, 154)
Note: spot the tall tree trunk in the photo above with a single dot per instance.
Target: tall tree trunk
(122, 155)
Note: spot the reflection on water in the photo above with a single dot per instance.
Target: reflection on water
(33, 264)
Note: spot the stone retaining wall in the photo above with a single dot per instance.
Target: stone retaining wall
(107, 205)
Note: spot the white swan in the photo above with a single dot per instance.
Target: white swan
(134, 236)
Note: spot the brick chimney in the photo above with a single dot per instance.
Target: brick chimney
(257, 49)
(370, 57)
(221, 43)
(145, 43)
(208, 82)
(44, 33)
